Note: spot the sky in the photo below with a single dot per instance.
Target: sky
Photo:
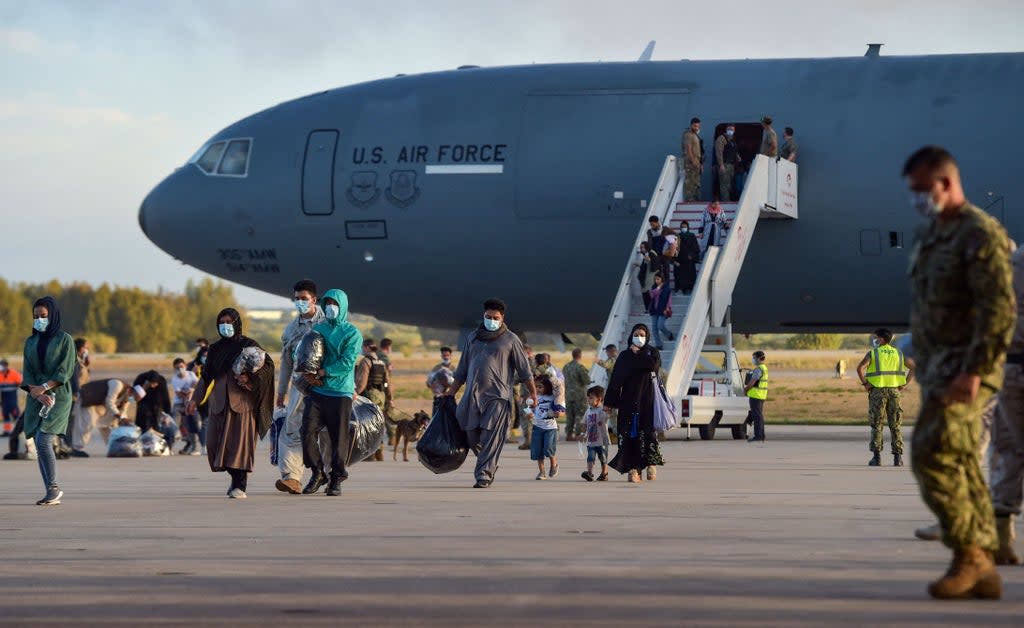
(99, 100)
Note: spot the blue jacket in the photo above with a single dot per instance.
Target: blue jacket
(342, 346)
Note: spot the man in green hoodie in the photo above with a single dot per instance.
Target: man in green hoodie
(329, 404)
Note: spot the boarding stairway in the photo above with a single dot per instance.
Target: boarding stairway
(701, 317)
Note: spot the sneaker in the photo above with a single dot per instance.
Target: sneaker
(237, 493)
(334, 488)
(196, 453)
(52, 497)
(603, 477)
(553, 472)
(317, 480)
(482, 484)
(588, 476)
(541, 476)
(78, 453)
(203, 453)
(524, 447)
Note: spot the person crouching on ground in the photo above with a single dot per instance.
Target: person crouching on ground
(329, 403)
(631, 390)
(240, 406)
(595, 431)
(544, 440)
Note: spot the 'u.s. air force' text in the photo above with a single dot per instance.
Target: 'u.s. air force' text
(442, 154)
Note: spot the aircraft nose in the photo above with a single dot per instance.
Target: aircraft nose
(142, 216)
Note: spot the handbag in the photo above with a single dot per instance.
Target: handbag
(664, 409)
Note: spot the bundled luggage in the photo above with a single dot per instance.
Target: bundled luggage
(154, 444)
(124, 442)
(366, 430)
(443, 447)
(309, 357)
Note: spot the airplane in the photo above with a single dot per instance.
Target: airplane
(422, 195)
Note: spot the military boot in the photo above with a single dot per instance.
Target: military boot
(1005, 554)
(876, 460)
(897, 460)
(971, 574)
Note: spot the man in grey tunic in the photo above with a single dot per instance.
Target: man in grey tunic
(493, 363)
(289, 452)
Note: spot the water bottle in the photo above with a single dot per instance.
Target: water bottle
(45, 410)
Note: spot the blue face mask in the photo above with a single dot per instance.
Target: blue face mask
(492, 325)
(302, 306)
(40, 324)
(227, 330)
(332, 311)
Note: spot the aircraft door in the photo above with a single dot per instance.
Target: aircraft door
(318, 173)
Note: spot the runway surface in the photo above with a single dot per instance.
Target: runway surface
(798, 532)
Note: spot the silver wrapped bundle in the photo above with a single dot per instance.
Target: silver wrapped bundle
(250, 360)
(309, 357)
(441, 380)
(366, 431)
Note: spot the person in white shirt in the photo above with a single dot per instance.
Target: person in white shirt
(544, 439)
(183, 384)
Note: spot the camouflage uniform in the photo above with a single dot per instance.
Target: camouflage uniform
(576, 381)
(885, 402)
(962, 316)
(691, 173)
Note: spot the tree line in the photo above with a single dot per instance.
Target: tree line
(116, 318)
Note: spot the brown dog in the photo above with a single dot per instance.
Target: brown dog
(410, 430)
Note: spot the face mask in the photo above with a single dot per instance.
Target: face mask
(332, 312)
(491, 324)
(226, 330)
(40, 324)
(446, 361)
(302, 306)
(728, 133)
(181, 371)
(685, 229)
(874, 342)
(639, 340)
(202, 360)
(924, 204)
(85, 355)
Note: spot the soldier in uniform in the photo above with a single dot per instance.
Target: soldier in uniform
(962, 316)
(727, 155)
(884, 372)
(577, 379)
(1007, 470)
(693, 161)
(373, 381)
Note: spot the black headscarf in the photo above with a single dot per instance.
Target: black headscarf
(51, 330)
(221, 358)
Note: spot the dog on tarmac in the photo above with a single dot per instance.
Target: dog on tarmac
(410, 431)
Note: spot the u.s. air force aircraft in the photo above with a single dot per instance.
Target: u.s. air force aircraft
(422, 195)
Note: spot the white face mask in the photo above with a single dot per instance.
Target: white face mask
(181, 371)
(302, 305)
(924, 204)
(226, 330)
(728, 133)
(492, 325)
(332, 311)
(639, 340)
(874, 342)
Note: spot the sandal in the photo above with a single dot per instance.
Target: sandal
(652, 473)
(634, 477)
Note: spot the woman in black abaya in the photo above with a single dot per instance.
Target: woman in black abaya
(631, 390)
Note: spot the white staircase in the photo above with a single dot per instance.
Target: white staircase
(769, 192)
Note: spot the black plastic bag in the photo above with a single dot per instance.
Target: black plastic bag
(309, 357)
(366, 430)
(443, 447)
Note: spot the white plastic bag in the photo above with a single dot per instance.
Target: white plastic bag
(664, 410)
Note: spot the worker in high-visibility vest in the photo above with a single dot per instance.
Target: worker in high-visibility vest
(884, 372)
(756, 388)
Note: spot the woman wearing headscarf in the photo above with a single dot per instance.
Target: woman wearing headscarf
(713, 225)
(49, 365)
(241, 402)
(631, 390)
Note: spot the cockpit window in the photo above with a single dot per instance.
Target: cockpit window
(224, 158)
(236, 159)
(207, 162)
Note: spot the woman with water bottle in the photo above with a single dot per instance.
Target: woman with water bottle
(49, 365)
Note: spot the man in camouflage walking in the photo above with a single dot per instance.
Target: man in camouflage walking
(577, 380)
(962, 314)
(884, 372)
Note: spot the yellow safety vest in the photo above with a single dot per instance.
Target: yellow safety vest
(886, 368)
(760, 390)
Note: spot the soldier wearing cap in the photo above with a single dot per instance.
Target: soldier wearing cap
(884, 372)
(769, 139)
(693, 161)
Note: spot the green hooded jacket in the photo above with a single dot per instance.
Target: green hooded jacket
(342, 345)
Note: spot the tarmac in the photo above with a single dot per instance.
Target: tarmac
(796, 532)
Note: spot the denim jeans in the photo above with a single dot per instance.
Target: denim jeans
(47, 459)
(658, 326)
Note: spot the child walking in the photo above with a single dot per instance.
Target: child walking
(595, 427)
(544, 438)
